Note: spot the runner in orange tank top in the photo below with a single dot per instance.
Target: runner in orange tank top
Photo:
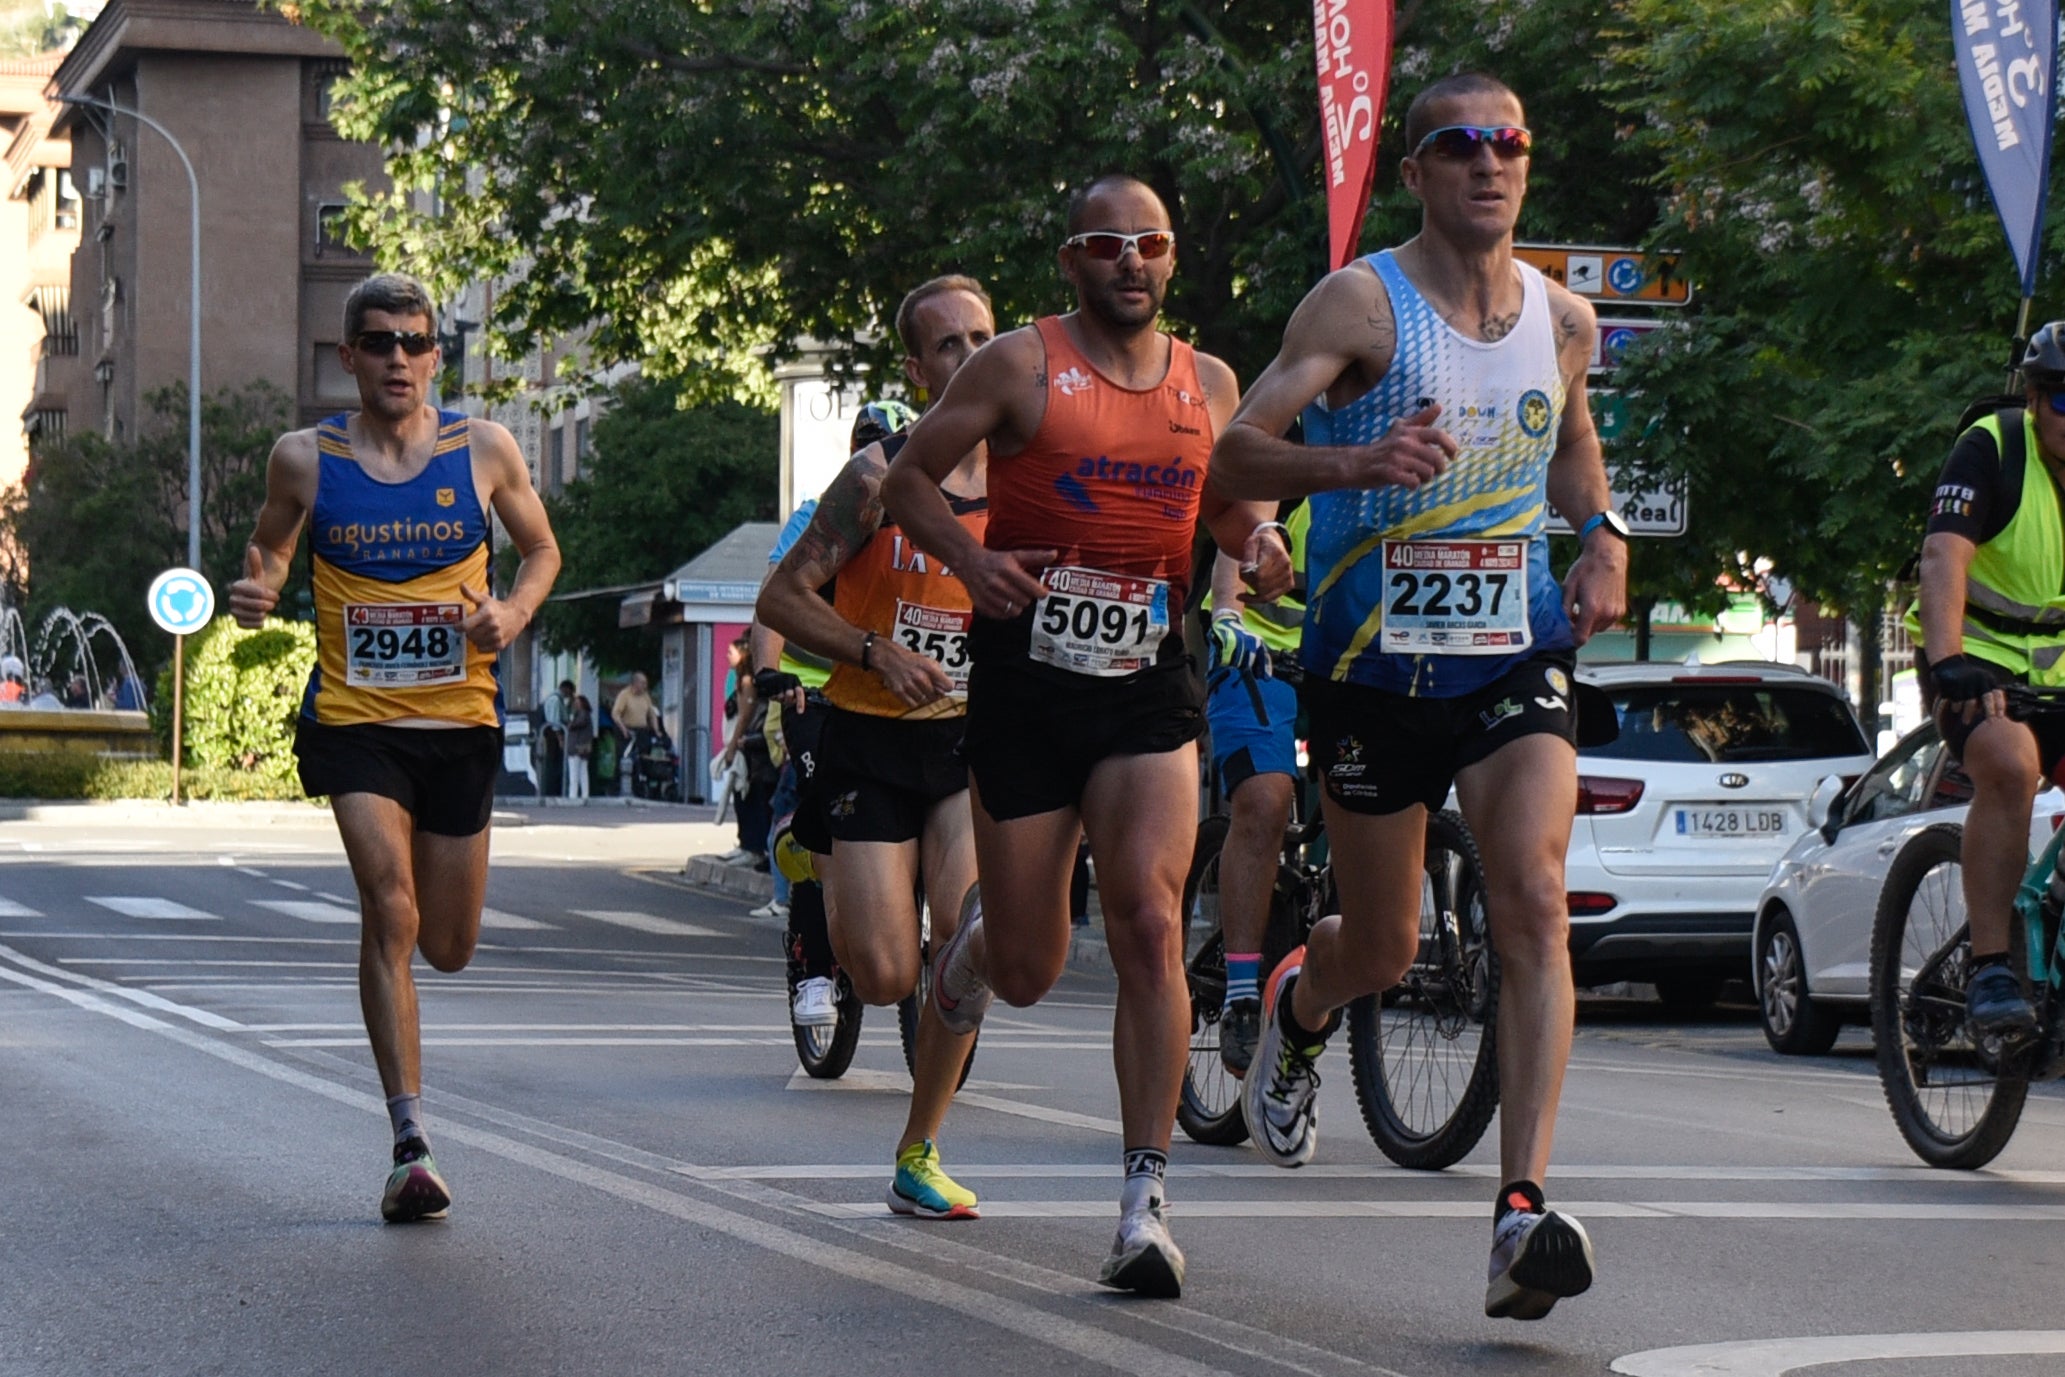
(1083, 709)
(888, 793)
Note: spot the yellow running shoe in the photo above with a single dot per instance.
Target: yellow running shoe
(922, 1189)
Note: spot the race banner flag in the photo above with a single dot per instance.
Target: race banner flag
(2007, 63)
(1352, 40)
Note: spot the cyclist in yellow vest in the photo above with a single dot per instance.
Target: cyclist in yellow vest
(1991, 611)
(1251, 704)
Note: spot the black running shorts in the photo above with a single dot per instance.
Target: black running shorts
(802, 734)
(1379, 752)
(1035, 734)
(444, 776)
(883, 776)
(2049, 728)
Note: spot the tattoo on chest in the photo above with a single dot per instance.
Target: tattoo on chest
(1492, 329)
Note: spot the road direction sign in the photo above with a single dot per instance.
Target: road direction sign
(1652, 511)
(1616, 333)
(180, 601)
(1610, 274)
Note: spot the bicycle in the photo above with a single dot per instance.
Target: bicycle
(1423, 1053)
(1957, 1099)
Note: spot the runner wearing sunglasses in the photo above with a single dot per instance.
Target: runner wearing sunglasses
(1083, 708)
(1990, 612)
(402, 723)
(1437, 644)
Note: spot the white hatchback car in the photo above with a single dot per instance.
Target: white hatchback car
(1682, 817)
(1812, 943)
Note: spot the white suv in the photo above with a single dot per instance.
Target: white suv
(1681, 819)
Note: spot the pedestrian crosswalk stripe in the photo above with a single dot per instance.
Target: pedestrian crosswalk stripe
(646, 922)
(10, 909)
(309, 910)
(146, 906)
(510, 922)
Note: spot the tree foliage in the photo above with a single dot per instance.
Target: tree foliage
(662, 484)
(1854, 289)
(93, 521)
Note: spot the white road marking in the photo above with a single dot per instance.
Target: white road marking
(511, 922)
(1349, 1171)
(1099, 1344)
(1475, 1210)
(1776, 1357)
(883, 1080)
(147, 906)
(646, 922)
(309, 910)
(892, 1082)
(140, 997)
(294, 885)
(10, 909)
(335, 898)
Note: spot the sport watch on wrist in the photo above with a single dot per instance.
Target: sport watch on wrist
(1610, 519)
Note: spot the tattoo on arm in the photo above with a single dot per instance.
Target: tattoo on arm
(1566, 329)
(1040, 377)
(847, 517)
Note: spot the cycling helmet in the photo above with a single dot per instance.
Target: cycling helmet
(879, 421)
(2043, 362)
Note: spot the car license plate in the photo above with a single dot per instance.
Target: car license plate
(1731, 822)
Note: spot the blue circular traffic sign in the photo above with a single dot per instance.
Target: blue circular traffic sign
(1624, 275)
(181, 601)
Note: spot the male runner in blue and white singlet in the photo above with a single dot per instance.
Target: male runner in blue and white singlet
(402, 723)
(1438, 646)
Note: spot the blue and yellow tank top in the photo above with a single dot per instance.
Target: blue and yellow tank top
(388, 560)
(1503, 402)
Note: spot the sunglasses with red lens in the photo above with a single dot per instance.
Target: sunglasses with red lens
(1460, 142)
(2056, 397)
(1110, 246)
(380, 343)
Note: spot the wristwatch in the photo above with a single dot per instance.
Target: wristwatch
(1610, 519)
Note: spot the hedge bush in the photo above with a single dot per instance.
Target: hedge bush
(75, 775)
(243, 689)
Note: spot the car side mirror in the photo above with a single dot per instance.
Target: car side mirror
(1821, 803)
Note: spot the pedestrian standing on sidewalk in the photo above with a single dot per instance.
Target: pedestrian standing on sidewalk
(580, 746)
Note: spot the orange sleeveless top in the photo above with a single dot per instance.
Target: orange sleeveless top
(1113, 477)
(900, 593)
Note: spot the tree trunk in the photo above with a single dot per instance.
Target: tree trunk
(1871, 660)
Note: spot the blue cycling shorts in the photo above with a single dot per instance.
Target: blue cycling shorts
(1254, 724)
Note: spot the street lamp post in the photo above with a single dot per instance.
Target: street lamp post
(193, 380)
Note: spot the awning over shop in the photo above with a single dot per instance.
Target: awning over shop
(718, 585)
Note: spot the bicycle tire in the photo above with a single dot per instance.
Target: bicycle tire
(1952, 1100)
(826, 1052)
(1425, 1054)
(1208, 1110)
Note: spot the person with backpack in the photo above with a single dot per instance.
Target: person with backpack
(1991, 612)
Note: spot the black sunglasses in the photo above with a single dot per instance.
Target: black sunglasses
(1460, 142)
(380, 343)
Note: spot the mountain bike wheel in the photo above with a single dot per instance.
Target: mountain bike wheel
(1209, 1107)
(1425, 1053)
(827, 1052)
(1955, 1102)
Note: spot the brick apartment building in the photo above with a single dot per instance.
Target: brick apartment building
(39, 228)
(246, 93)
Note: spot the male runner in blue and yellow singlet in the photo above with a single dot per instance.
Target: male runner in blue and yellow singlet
(402, 722)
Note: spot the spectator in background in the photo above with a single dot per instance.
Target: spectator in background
(14, 688)
(580, 745)
(126, 695)
(635, 715)
(78, 694)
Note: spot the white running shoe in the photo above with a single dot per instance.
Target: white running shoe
(1279, 1097)
(1143, 1258)
(1538, 1256)
(958, 993)
(770, 909)
(815, 1004)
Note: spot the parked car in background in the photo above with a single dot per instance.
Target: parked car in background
(1812, 943)
(1680, 819)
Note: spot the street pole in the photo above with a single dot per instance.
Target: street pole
(178, 711)
(193, 372)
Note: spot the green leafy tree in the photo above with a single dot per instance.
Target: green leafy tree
(93, 521)
(662, 484)
(1854, 291)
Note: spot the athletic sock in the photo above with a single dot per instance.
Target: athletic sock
(1145, 1169)
(406, 1114)
(1518, 1195)
(1303, 1038)
(1243, 975)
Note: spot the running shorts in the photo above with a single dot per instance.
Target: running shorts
(882, 776)
(1378, 752)
(444, 776)
(2049, 727)
(802, 738)
(1034, 734)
